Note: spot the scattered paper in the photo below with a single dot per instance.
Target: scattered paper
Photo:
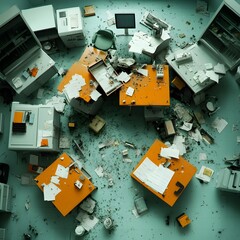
(99, 171)
(88, 205)
(202, 156)
(156, 177)
(71, 90)
(219, 68)
(212, 75)
(130, 91)
(144, 72)
(61, 171)
(86, 220)
(170, 152)
(123, 77)
(196, 135)
(95, 95)
(110, 18)
(186, 126)
(179, 142)
(55, 179)
(57, 102)
(50, 191)
(205, 174)
(219, 124)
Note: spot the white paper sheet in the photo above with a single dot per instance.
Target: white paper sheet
(61, 171)
(123, 77)
(144, 72)
(156, 177)
(130, 91)
(50, 191)
(219, 124)
(86, 220)
(95, 95)
(55, 179)
(169, 152)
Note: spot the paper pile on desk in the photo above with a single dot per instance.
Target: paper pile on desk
(156, 177)
(170, 152)
(71, 90)
(50, 191)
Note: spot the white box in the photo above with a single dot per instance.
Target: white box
(70, 27)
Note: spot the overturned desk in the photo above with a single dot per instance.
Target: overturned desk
(146, 90)
(64, 184)
(152, 166)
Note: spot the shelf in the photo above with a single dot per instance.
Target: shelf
(229, 21)
(16, 46)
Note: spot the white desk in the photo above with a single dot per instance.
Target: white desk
(45, 125)
(143, 43)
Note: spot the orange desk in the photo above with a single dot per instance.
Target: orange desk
(184, 171)
(70, 196)
(90, 56)
(148, 91)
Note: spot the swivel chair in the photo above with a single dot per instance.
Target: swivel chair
(104, 40)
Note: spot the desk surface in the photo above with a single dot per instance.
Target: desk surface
(184, 171)
(70, 196)
(148, 91)
(90, 56)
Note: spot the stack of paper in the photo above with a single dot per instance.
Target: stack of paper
(156, 177)
(71, 90)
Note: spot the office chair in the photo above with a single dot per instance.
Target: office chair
(104, 40)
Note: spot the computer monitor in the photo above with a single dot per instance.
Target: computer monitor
(125, 21)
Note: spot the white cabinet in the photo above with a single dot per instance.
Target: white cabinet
(70, 27)
(5, 198)
(23, 64)
(219, 44)
(34, 127)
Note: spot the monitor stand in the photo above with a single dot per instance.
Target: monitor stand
(126, 33)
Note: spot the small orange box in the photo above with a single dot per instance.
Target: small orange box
(183, 220)
(34, 71)
(178, 83)
(44, 142)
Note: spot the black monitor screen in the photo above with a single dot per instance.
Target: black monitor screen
(125, 20)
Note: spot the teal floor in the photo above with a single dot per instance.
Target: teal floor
(214, 214)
